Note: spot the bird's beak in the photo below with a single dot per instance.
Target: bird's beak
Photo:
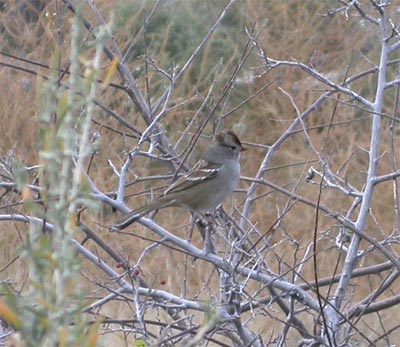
(244, 149)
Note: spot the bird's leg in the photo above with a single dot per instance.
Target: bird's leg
(206, 229)
(208, 244)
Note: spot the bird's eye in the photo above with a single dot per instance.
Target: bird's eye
(233, 147)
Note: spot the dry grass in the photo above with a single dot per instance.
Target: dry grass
(292, 29)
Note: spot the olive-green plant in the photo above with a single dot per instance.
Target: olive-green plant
(49, 310)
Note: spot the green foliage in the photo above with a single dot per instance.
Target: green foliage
(177, 28)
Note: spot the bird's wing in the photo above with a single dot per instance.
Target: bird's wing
(201, 173)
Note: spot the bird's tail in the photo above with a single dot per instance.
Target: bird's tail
(133, 216)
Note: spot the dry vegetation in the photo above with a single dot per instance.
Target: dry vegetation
(278, 231)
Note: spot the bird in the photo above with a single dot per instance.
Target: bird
(205, 187)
